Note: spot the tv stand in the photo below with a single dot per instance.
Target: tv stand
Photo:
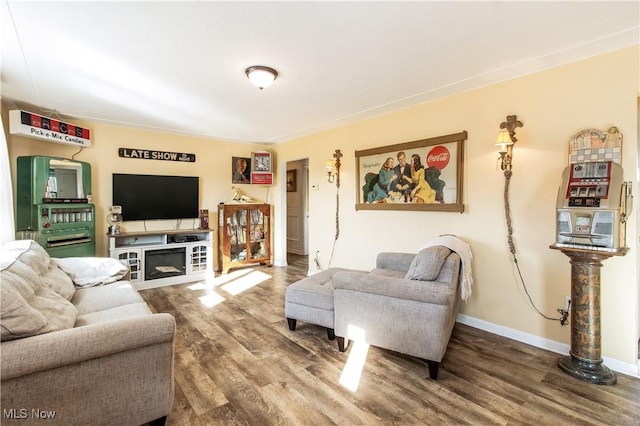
(160, 258)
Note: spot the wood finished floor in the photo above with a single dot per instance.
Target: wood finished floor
(237, 363)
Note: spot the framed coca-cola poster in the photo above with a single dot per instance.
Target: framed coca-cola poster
(419, 175)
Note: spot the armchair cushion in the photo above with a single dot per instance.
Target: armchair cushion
(427, 263)
(384, 285)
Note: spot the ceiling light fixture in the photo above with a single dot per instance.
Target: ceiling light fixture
(261, 76)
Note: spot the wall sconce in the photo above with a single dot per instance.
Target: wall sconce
(261, 76)
(333, 168)
(506, 139)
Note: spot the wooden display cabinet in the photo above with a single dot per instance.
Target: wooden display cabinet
(244, 235)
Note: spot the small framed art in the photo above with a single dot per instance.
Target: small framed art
(292, 183)
(240, 170)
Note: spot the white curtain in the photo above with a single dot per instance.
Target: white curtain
(7, 224)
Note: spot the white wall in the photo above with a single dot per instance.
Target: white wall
(553, 105)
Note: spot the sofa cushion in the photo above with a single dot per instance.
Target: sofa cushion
(389, 273)
(92, 271)
(427, 263)
(59, 282)
(28, 306)
(132, 310)
(37, 259)
(101, 298)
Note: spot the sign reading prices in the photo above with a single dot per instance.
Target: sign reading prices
(32, 125)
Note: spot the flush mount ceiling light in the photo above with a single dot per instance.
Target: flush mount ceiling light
(261, 76)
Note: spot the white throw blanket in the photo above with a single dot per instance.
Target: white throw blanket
(454, 243)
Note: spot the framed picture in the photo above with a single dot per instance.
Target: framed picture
(240, 170)
(292, 183)
(418, 175)
(261, 161)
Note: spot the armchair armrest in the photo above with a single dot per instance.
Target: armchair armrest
(71, 346)
(394, 261)
(434, 292)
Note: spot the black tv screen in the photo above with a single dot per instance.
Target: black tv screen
(147, 197)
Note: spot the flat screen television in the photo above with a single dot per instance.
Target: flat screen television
(148, 197)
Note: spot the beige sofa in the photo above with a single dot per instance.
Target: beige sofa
(91, 355)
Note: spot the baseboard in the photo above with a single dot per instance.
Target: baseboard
(298, 252)
(627, 368)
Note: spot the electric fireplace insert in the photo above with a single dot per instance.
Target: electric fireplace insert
(164, 263)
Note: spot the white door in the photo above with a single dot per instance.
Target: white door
(297, 207)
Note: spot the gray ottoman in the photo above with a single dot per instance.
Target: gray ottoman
(311, 300)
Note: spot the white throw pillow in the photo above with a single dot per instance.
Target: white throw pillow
(92, 271)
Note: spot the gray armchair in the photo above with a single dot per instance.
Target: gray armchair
(407, 304)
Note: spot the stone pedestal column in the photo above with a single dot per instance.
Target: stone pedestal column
(585, 359)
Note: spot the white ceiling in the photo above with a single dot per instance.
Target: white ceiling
(179, 67)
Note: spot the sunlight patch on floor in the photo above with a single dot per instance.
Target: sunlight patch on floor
(233, 283)
(212, 299)
(245, 282)
(352, 372)
(199, 286)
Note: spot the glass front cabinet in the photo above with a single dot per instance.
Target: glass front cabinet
(244, 235)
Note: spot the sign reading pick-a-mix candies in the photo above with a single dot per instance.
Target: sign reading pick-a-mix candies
(39, 127)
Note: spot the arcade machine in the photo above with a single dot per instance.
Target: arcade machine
(593, 205)
(54, 205)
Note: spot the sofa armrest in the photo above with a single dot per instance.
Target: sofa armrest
(65, 347)
(394, 261)
(434, 292)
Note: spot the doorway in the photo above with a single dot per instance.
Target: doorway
(298, 207)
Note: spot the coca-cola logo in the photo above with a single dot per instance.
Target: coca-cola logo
(438, 157)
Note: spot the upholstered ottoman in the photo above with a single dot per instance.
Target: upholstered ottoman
(311, 300)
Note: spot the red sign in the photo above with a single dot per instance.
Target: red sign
(438, 157)
(32, 125)
(45, 123)
(262, 178)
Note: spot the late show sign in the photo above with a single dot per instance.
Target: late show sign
(148, 154)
